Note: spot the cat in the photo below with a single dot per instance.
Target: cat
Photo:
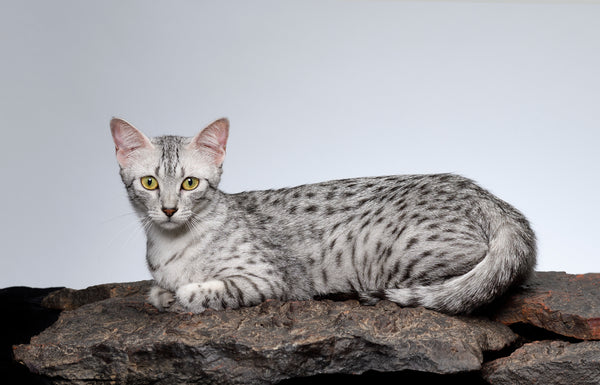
(438, 241)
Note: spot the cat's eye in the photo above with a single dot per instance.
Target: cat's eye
(149, 183)
(190, 183)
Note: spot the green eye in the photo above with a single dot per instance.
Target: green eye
(149, 183)
(190, 183)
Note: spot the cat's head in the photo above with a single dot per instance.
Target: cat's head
(170, 179)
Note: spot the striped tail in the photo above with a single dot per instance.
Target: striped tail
(510, 259)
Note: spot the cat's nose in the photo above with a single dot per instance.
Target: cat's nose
(169, 212)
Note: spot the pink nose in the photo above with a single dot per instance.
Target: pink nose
(169, 212)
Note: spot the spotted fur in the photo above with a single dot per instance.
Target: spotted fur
(439, 241)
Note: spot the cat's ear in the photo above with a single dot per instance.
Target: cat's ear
(212, 141)
(127, 140)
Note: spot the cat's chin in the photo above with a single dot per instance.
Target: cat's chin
(170, 225)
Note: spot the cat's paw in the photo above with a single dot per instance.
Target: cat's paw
(197, 297)
(160, 298)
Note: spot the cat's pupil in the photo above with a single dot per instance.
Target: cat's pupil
(190, 182)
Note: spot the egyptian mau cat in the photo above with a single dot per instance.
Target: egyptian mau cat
(438, 241)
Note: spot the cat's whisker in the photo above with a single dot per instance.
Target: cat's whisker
(119, 217)
(196, 225)
(191, 224)
(146, 223)
(129, 231)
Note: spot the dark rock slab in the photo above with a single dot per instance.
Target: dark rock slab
(562, 303)
(69, 299)
(547, 362)
(125, 340)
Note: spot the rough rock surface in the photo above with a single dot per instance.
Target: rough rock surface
(562, 303)
(69, 299)
(112, 335)
(126, 340)
(548, 362)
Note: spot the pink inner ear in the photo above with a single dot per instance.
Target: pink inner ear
(213, 140)
(127, 139)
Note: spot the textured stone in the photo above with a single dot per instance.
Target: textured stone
(123, 339)
(547, 362)
(69, 299)
(562, 303)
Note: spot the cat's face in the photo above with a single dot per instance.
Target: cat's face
(169, 178)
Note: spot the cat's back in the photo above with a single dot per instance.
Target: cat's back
(390, 207)
(344, 197)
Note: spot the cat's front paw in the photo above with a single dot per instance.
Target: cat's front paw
(160, 298)
(197, 297)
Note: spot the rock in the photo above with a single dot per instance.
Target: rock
(108, 333)
(547, 362)
(125, 340)
(69, 299)
(22, 317)
(562, 303)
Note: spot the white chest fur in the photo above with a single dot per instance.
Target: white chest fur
(168, 256)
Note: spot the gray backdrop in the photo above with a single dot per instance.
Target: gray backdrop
(503, 92)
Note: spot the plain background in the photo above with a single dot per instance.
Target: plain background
(504, 92)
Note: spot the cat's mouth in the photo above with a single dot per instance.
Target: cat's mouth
(169, 223)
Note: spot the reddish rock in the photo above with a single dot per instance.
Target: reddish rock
(547, 362)
(562, 303)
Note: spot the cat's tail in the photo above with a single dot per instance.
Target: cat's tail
(510, 260)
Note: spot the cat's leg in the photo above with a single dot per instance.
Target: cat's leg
(231, 292)
(160, 298)
(197, 297)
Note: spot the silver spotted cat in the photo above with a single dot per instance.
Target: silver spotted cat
(439, 241)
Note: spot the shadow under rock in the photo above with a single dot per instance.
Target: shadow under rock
(23, 316)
